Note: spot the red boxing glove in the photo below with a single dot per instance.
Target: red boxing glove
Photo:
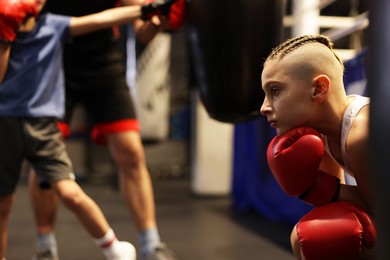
(294, 159)
(12, 15)
(337, 230)
(64, 128)
(7, 32)
(177, 15)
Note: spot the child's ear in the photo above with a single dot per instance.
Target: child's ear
(321, 88)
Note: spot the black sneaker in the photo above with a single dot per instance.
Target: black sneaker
(162, 252)
(45, 254)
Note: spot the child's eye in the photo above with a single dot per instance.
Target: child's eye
(274, 91)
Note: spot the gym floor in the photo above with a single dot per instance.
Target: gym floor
(194, 228)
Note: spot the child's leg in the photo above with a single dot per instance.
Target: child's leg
(44, 203)
(6, 203)
(92, 218)
(86, 210)
(11, 156)
(51, 162)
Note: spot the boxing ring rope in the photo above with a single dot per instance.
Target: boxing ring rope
(379, 91)
(306, 19)
(357, 23)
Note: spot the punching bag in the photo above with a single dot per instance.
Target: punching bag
(229, 42)
(379, 92)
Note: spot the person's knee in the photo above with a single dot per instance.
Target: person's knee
(135, 161)
(72, 200)
(127, 149)
(70, 195)
(130, 161)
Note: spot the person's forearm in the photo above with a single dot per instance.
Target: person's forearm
(105, 19)
(5, 50)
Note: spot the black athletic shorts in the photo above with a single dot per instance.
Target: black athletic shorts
(37, 140)
(107, 101)
(106, 97)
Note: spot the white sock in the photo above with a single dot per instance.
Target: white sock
(149, 239)
(47, 241)
(108, 243)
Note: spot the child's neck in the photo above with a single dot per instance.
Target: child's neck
(28, 25)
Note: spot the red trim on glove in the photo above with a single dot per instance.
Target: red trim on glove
(177, 15)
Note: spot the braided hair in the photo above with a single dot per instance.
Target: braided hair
(294, 43)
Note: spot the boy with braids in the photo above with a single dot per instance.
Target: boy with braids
(321, 132)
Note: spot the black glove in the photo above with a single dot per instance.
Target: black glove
(158, 7)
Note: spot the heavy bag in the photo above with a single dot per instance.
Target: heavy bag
(229, 42)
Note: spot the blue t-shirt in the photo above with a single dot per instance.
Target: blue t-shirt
(34, 83)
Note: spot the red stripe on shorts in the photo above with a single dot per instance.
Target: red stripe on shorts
(64, 128)
(100, 131)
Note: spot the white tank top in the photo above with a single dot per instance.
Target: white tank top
(349, 115)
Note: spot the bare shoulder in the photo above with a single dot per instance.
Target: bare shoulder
(359, 133)
(358, 153)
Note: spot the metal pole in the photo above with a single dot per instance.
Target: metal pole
(306, 15)
(379, 91)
